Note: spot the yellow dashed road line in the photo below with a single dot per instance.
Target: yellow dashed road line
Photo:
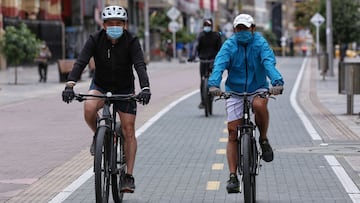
(225, 130)
(218, 166)
(220, 151)
(223, 139)
(213, 185)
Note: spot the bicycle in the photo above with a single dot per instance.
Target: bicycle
(248, 149)
(206, 97)
(109, 157)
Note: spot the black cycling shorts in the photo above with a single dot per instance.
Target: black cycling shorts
(122, 106)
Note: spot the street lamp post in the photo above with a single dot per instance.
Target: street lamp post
(329, 37)
(147, 32)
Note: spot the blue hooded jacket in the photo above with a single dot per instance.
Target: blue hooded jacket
(261, 65)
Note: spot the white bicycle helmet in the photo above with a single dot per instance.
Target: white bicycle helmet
(114, 12)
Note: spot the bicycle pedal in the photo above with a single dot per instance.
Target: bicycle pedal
(127, 191)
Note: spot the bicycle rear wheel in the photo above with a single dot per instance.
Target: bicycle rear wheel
(120, 166)
(101, 165)
(248, 174)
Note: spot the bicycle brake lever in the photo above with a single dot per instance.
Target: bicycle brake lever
(79, 98)
(226, 95)
(223, 95)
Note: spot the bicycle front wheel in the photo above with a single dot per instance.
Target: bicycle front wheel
(101, 166)
(248, 175)
(120, 162)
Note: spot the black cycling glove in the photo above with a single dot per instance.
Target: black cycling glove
(144, 96)
(68, 94)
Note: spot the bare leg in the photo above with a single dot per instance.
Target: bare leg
(231, 148)
(91, 108)
(261, 115)
(130, 143)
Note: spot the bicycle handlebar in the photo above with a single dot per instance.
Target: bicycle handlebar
(202, 60)
(108, 96)
(227, 95)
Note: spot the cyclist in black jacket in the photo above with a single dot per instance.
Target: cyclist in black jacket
(115, 53)
(206, 46)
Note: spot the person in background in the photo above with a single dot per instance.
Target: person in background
(169, 52)
(42, 60)
(206, 46)
(249, 62)
(116, 53)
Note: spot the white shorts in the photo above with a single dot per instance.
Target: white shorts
(234, 106)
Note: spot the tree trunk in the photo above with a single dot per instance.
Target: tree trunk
(16, 74)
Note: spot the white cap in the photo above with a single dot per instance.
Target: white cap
(244, 19)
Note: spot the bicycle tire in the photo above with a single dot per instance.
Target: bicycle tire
(120, 166)
(211, 99)
(101, 166)
(205, 96)
(247, 168)
(254, 163)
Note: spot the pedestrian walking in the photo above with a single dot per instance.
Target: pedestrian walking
(42, 60)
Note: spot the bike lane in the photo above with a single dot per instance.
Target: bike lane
(45, 142)
(181, 157)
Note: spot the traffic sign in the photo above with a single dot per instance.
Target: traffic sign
(173, 13)
(317, 19)
(173, 26)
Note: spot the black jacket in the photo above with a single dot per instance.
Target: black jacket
(209, 43)
(113, 62)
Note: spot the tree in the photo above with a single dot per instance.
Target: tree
(19, 46)
(304, 12)
(346, 21)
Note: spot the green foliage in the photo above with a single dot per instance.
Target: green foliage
(184, 36)
(270, 37)
(159, 22)
(346, 21)
(304, 12)
(19, 45)
(159, 19)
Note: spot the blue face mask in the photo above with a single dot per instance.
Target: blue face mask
(244, 37)
(114, 32)
(207, 28)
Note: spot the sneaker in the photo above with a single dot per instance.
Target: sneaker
(233, 185)
(201, 106)
(267, 152)
(127, 183)
(92, 147)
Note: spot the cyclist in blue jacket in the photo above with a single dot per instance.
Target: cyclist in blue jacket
(249, 61)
